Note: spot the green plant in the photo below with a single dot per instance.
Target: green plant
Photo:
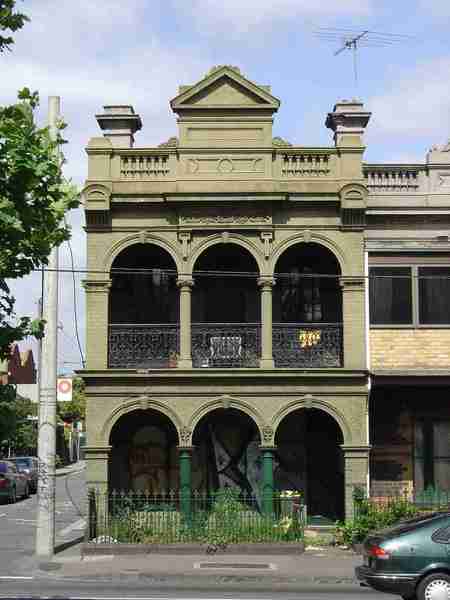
(370, 517)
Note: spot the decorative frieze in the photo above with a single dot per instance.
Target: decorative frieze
(226, 216)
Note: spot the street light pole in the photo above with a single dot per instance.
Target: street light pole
(45, 530)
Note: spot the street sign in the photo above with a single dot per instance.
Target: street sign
(64, 389)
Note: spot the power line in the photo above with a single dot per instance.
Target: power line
(251, 274)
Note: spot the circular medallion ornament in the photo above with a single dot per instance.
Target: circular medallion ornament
(225, 166)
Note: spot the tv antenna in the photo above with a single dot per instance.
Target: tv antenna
(352, 39)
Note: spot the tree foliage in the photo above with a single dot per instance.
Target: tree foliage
(10, 21)
(34, 196)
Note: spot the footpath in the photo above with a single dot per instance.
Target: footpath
(328, 566)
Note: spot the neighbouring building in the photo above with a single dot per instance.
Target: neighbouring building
(262, 315)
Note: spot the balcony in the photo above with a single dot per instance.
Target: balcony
(234, 345)
(307, 345)
(143, 346)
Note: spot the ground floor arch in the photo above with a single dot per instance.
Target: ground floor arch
(227, 452)
(308, 457)
(143, 455)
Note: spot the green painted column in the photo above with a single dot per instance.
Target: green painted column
(185, 480)
(268, 486)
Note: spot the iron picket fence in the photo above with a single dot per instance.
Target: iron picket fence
(218, 518)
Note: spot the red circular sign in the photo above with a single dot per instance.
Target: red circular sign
(64, 386)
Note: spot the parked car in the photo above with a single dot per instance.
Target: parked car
(410, 559)
(12, 483)
(29, 466)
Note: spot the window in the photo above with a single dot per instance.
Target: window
(432, 454)
(390, 295)
(409, 295)
(434, 295)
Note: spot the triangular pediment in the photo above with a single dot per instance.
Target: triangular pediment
(225, 87)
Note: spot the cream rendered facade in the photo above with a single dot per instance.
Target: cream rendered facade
(223, 187)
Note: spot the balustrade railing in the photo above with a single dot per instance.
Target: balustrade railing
(222, 345)
(392, 179)
(310, 345)
(143, 346)
(144, 166)
(305, 164)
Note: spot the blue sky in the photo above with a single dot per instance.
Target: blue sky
(95, 52)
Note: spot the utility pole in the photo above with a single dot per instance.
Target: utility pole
(45, 530)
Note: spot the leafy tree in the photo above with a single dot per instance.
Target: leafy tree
(33, 195)
(9, 21)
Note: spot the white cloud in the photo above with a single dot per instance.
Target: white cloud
(243, 15)
(416, 105)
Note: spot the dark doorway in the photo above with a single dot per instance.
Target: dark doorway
(310, 460)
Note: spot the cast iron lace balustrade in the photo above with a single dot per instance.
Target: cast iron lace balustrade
(143, 346)
(144, 166)
(232, 345)
(305, 165)
(310, 345)
(392, 179)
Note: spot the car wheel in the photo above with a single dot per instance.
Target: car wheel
(434, 587)
(13, 496)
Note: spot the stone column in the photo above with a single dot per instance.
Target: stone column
(266, 284)
(185, 285)
(185, 459)
(356, 469)
(267, 483)
(97, 334)
(353, 309)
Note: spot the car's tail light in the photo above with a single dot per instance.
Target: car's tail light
(378, 552)
(3, 481)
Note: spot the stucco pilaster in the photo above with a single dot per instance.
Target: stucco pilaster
(97, 298)
(353, 308)
(97, 458)
(356, 460)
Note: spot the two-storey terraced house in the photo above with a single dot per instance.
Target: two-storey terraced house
(231, 335)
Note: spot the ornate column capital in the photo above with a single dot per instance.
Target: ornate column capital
(352, 284)
(98, 286)
(266, 283)
(186, 283)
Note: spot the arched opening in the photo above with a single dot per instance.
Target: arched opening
(144, 454)
(307, 308)
(227, 453)
(143, 309)
(226, 308)
(309, 459)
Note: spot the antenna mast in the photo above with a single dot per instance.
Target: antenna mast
(352, 39)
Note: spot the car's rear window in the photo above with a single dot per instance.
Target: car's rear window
(410, 524)
(3, 467)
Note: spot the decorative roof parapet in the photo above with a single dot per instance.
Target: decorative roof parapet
(172, 142)
(279, 142)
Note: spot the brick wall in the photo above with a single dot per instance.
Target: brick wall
(410, 348)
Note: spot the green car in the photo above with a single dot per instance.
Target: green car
(410, 559)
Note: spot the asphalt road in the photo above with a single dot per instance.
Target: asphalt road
(18, 524)
(123, 592)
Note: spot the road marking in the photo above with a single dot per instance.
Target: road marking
(16, 577)
(78, 525)
(23, 520)
(3, 515)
